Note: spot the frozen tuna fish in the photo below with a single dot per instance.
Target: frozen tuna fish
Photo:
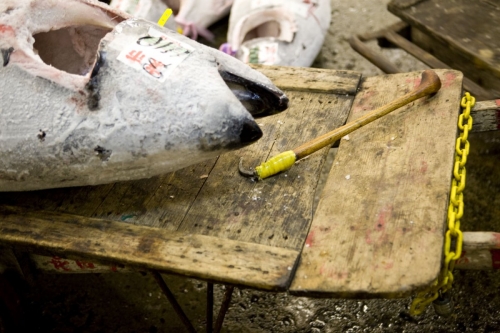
(277, 32)
(89, 96)
(195, 16)
(192, 17)
(150, 10)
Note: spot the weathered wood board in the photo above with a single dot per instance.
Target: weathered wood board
(208, 204)
(481, 250)
(486, 116)
(277, 211)
(479, 260)
(191, 255)
(378, 230)
(312, 80)
(461, 33)
(480, 240)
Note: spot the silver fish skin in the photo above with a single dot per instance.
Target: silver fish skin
(75, 110)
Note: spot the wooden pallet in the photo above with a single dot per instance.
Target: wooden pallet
(461, 33)
(378, 232)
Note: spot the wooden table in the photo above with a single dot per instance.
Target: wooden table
(377, 231)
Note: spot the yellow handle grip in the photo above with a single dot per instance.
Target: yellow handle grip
(278, 163)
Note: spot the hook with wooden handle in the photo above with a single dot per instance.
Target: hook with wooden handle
(429, 84)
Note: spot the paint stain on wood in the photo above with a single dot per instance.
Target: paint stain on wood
(415, 81)
(497, 239)
(449, 78)
(383, 216)
(310, 239)
(423, 167)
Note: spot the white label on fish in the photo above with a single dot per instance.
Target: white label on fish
(265, 53)
(156, 54)
(300, 7)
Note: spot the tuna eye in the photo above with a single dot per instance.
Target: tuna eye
(71, 49)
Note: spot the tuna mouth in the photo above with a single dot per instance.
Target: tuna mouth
(259, 99)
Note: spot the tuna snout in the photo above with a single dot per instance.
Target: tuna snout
(250, 132)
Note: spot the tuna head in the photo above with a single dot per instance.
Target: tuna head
(89, 95)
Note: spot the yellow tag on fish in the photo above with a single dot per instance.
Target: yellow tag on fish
(164, 18)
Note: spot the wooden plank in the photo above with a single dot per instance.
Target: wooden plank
(479, 75)
(479, 259)
(197, 256)
(486, 116)
(56, 264)
(278, 210)
(479, 92)
(459, 32)
(481, 250)
(378, 229)
(158, 202)
(312, 79)
(481, 240)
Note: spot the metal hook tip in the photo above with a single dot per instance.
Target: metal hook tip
(245, 172)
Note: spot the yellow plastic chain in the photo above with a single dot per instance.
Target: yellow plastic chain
(453, 237)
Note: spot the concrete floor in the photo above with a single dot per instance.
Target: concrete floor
(133, 302)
